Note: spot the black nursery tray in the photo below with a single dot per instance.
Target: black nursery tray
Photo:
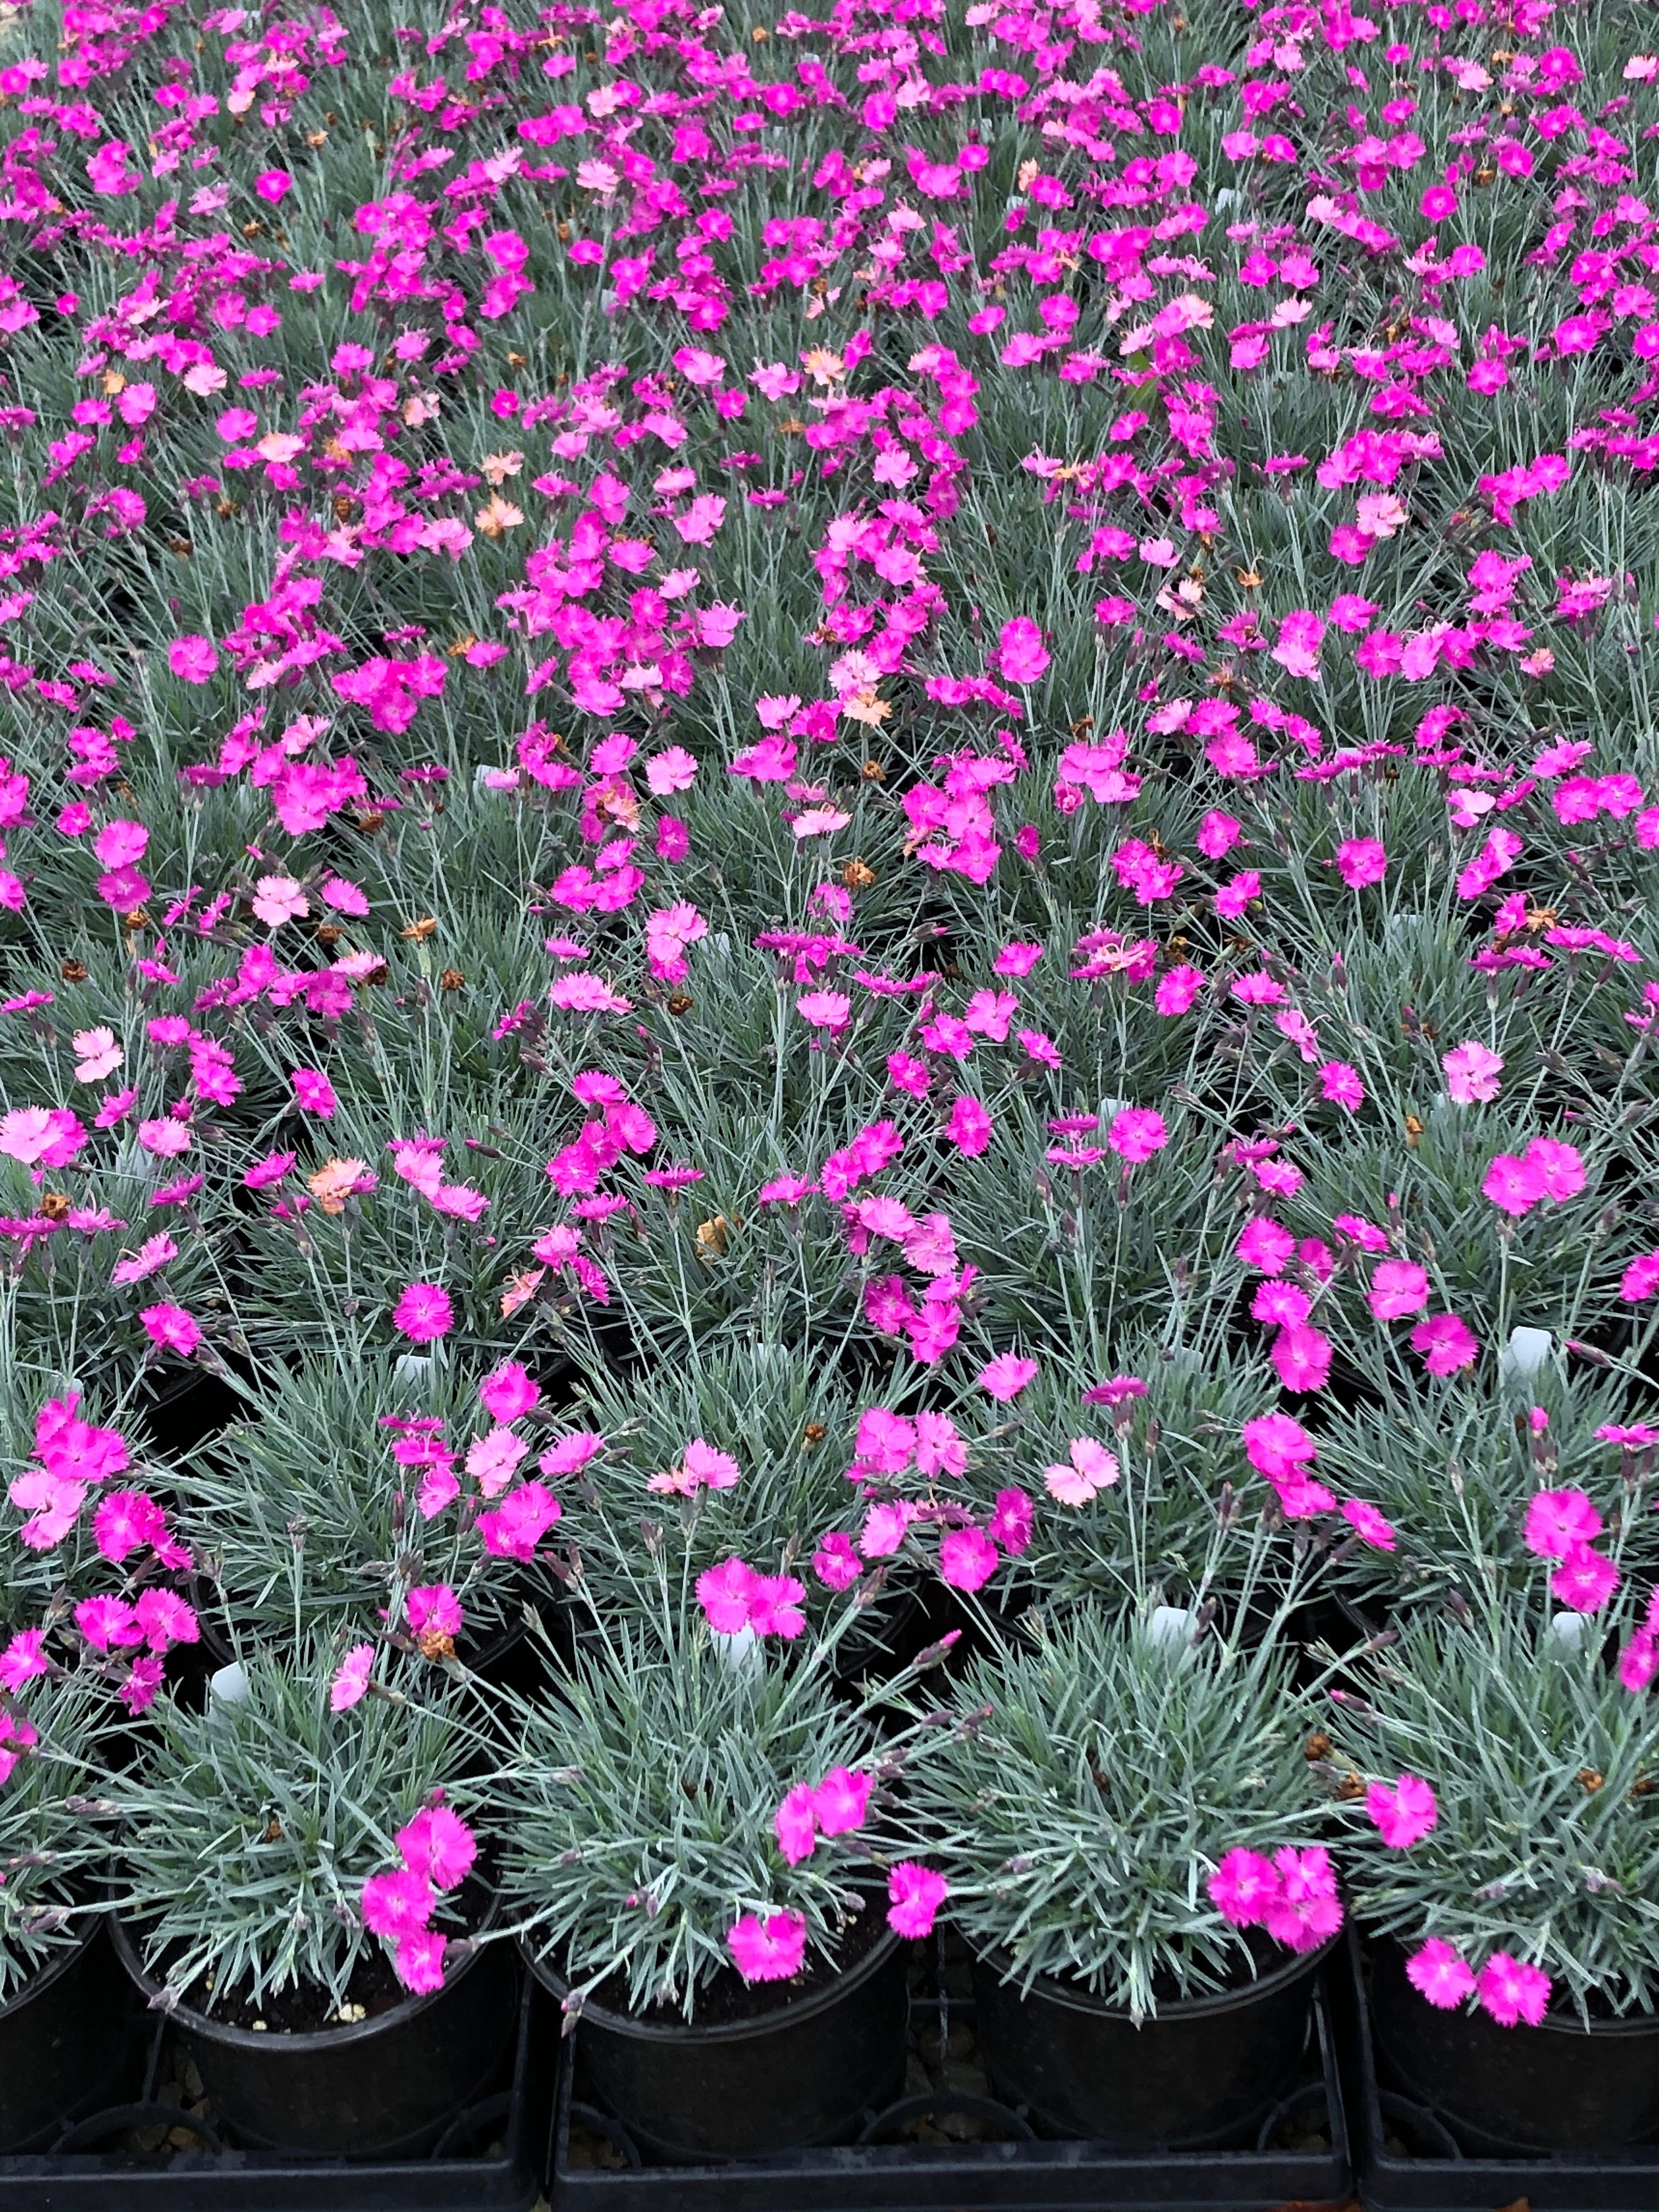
(155, 2154)
(953, 2145)
(1411, 2158)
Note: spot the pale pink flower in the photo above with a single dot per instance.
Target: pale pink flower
(1005, 1376)
(1092, 1468)
(1471, 1071)
(278, 899)
(97, 1055)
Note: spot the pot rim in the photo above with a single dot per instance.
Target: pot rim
(307, 2041)
(1077, 1999)
(1553, 2023)
(732, 2031)
(60, 1967)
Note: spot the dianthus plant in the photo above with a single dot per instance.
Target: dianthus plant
(1508, 1832)
(51, 1848)
(251, 1829)
(657, 1830)
(1125, 1807)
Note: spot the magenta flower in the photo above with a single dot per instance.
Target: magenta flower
(967, 1558)
(969, 1127)
(1277, 1446)
(1512, 1991)
(1339, 1085)
(192, 659)
(1514, 1185)
(1136, 1132)
(313, 1093)
(914, 1895)
(1242, 1887)
(1005, 1376)
(1368, 1524)
(774, 1606)
(1558, 1521)
(772, 1950)
(1307, 1911)
(418, 1961)
(841, 1800)
(1445, 1343)
(397, 1903)
(795, 1825)
(1302, 1358)
(1398, 1288)
(423, 1313)
(1264, 1246)
(437, 1843)
(1438, 1973)
(1585, 1580)
(1021, 655)
(1360, 861)
(1404, 1811)
(434, 1610)
(835, 1562)
(723, 1593)
(171, 1328)
(1640, 1279)
(1558, 1168)
(509, 1392)
(23, 1660)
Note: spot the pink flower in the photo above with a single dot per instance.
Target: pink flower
(914, 1895)
(967, 1558)
(437, 1843)
(351, 1683)
(774, 1606)
(397, 1903)
(1585, 1580)
(1397, 1289)
(1368, 1524)
(1360, 861)
(1559, 1520)
(1640, 1279)
(835, 1562)
(423, 1313)
(1472, 1073)
(1005, 1376)
(1136, 1132)
(841, 1800)
(433, 1609)
(1277, 1446)
(171, 1327)
(1404, 1811)
(969, 1127)
(1021, 655)
(23, 1660)
(795, 1825)
(1514, 1185)
(107, 1623)
(1438, 1973)
(1302, 1358)
(1307, 1911)
(1512, 1991)
(165, 1620)
(313, 1093)
(418, 1961)
(1445, 1343)
(509, 1392)
(1010, 1522)
(772, 1950)
(723, 1593)
(192, 659)
(1558, 1167)
(1339, 1085)
(1242, 1887)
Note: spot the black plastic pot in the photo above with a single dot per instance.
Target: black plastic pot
(1201, 2072)
(802, 2074)
(61, 2039)
(1560, 2086)
(389, 2085)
